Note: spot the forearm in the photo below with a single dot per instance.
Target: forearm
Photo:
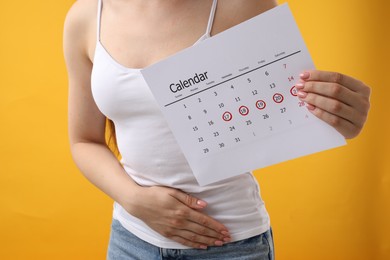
(102, 168)
(170, 212)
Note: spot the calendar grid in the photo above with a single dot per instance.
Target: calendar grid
(245, 113)
(240, 75)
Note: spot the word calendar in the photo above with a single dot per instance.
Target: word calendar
(231, 103)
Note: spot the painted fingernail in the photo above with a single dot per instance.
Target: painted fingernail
(227, 239)
(218, 243)
(299, 85)
(304, 75)
(201, 203)
(301, 94)
(310, 107)
(225, 233)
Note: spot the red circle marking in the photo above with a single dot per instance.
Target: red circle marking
(227, 116)
(243, 110)
(293, 91)
(278, 98)
(260, 104)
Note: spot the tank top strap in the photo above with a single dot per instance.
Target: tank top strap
(211, 18)
(98, 19)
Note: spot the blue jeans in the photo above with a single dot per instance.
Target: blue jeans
(124, 245)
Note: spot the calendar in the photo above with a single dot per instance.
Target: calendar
(231, 103)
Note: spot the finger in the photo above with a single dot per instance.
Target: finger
(335, 91)
(345, 127)
(188, 200)
(208, 222)
(188, 243)
(208, 236)
(200, 239)
(182, 220)
(191, 232)
(334, 107)
(335, 77)
(338, 92)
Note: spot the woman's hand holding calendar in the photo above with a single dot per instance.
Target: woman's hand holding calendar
(340, 100)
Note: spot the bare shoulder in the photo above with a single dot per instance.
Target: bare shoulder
(232, 12)
(80, 24)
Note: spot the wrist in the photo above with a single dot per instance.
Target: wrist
(130, 198)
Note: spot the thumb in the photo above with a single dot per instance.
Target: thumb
(189, 200)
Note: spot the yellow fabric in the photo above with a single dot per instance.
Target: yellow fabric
(332, 205)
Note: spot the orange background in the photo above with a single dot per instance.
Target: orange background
(331, 205)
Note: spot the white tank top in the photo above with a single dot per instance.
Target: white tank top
(151, 155)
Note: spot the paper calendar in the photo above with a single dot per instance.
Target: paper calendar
(231, 103)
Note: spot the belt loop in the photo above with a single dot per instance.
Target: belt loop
(163, 253)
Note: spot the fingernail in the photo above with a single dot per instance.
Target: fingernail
(227, 239)
(299, 85)
(202, 247)
(301, 94)
(218, 243)
(304, 75)
(310, 107)
(225, 233)
(201, 203)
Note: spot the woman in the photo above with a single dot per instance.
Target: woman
(160, 211)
